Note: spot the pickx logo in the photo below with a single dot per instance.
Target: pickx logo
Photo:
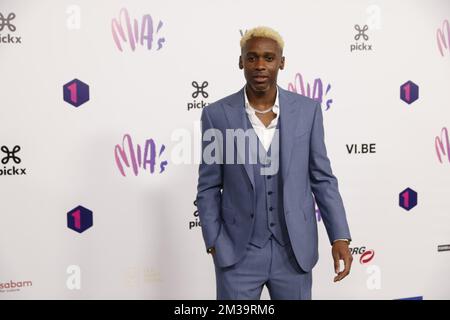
(11, 155)
(361, 35)
(365, 255)
(199, 92)
(6, 24)
(196, 222)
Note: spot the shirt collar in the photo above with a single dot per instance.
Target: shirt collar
(249, 109)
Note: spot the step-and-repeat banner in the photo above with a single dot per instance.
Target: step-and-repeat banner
(100, 105)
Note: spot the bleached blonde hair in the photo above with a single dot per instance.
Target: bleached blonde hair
(264, 32)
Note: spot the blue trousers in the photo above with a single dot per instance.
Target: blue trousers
(274, 266)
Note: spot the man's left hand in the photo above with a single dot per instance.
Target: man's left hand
(340, 251)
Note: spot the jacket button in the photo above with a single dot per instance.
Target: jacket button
(269, 193)
(252, 215)
(268, 177)
(272, 224)
(271, 208)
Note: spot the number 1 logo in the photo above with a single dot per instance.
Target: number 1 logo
(79, 219)
(76, 92)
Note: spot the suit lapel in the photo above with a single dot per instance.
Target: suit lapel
(289, 120)
(237, 119)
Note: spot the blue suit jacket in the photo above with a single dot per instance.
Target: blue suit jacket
(225, 192)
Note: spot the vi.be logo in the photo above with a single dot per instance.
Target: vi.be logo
(79, 219)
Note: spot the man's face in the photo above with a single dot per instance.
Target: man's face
(261, 58)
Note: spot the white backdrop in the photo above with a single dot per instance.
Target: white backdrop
(145, 242)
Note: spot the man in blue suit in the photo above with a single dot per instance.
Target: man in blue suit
(263, 159)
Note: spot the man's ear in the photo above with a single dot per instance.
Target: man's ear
(282, 63)
(241, 65)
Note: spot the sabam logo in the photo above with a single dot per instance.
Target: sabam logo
(135, 158)
(132, 35)
(361, 33)
(196, 222)
(6, 23)
(11, 155)
(441, 39)
(14, 286)
(366, 255)
(317, 92)
(442, 145)
(199, 89)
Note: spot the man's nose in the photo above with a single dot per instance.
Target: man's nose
(260, 64)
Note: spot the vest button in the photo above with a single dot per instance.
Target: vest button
(268, 177)
(272, 224)
(271, 208)
(252, 215)
(269, 193)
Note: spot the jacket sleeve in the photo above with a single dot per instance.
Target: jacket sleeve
(209, 188)
(324, 184)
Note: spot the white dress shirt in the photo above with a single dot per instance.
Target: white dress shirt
(265, 134)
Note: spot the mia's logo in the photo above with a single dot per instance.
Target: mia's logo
(11, 155)
(130, 155)
(124, 30)
(317, 93)
(6, 24)
(199, 90)
(361, 35)
(443, 38)
(442, 145)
